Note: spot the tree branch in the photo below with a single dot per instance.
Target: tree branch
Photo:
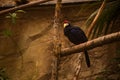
(91, 44)
(24, 5)
(96, 18)
(56, 38)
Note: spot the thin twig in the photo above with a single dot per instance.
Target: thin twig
(24, 6)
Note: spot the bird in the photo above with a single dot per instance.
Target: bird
(77, 36)
(20, 2)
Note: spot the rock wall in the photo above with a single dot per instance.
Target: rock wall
(27, 54)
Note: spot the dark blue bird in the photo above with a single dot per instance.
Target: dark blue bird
(76, 36)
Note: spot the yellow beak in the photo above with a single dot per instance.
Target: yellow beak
(65, 24)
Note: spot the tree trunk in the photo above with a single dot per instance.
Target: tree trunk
(57, 43)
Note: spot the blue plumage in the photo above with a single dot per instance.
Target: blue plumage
(77, 36)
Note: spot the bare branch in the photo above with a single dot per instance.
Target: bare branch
(24, 5)
(91, 44)
(96, 18)
(57, 47)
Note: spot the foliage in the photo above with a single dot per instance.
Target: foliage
(3, 74)
(108, 15)
(118, 51)
(13, 16)
(118, 56)
(20, 11)
(7, 33)
(99, 78)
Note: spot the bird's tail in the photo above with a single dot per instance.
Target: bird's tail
(87, 58)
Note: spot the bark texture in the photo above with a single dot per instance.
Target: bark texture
(92, 44)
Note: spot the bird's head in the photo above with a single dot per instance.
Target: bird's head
(65, 23)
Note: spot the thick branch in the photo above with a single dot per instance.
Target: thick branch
(24, 5)
(57, 47)
(91, 44)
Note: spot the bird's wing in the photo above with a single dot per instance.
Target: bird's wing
(78, 34)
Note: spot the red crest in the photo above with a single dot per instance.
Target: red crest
(66, 21)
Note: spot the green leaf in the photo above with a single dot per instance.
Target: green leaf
(2, 70)
(1, 78)
(7, 32)
(8, 17)
(13, 20)
(94, 32)
(10, 14)
(108, 15)
(14, 15)
(99, 78)
(118, 51)
(3, 75)
(90, 19)
(21, 11)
